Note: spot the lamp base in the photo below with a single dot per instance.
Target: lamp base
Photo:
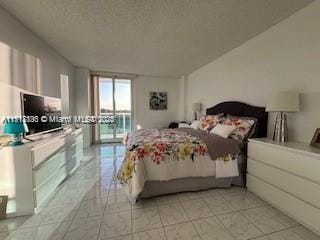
(195, 116)
(16, 143)
(281, 129)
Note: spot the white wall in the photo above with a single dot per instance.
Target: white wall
(142, 86)
(285, 57)
(28, 63)
(182, 98)
(83, 100)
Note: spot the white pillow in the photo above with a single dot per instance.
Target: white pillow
(184, 125)
(195, 125)
(223, 130)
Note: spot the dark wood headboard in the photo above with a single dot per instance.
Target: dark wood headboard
(243, 110)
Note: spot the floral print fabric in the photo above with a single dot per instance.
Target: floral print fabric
(163, 155)
(243, 129)
(209, 121)
(159, 146)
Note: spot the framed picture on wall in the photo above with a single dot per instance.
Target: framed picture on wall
(315, 142)
(158, 100)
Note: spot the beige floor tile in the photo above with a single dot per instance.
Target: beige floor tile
(115, 224)
(61, 214)
(167, 199)
(172, 214)
(23, 234)
(196, 209)
(268, 219)
(124, 237)
(54, 231)
(240, 227)
(182, 231)
(117, 205)
(183, 197)
(84, 228)
(92, 208)
(154, 234)
(261, 238)
(145, 219)
(218, 205)
(244, 200)
(211, 229)
(4, 235)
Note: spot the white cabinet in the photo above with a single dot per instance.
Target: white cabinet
(287, 176)
(30, 173)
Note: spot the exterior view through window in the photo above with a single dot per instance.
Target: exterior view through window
(115, 101)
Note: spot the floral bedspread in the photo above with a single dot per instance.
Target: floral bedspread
(162, 155)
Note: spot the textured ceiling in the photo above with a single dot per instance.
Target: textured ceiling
(154, 37)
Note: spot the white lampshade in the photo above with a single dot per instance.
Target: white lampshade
(283, 102)
(196, 107)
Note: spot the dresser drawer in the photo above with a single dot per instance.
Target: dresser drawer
(297, 163)
(44, 191)
(75, 137)
(75, 148)
(46, 169)
(72, 164)
(298, 187)
(44, 151)
(78, 156)
(295, 208)
(59, 173)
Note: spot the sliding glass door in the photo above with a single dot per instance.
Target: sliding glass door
(122, 96)
(114, 102)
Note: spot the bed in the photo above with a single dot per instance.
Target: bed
(168, 161)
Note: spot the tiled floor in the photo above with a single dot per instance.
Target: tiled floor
(91, 206)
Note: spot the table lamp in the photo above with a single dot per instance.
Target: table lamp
(15, 127)
(282, 103)
(196, 108)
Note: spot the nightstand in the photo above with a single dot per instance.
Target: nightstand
(287, 175)
(176, 124)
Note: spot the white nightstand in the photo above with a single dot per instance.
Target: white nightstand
(287, 175)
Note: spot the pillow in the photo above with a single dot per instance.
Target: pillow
(253, 128)
(207, 122)
(223, 130)
(243, 127)
(195, 124)
(183, 125)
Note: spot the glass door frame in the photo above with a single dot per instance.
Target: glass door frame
(96, 103)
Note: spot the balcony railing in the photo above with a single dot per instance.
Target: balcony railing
(122, 125)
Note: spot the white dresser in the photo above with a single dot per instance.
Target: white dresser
(287, 176)
(31, 172)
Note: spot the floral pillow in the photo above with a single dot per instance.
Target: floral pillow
(208, 122)
(195, 124)
(243, 127)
